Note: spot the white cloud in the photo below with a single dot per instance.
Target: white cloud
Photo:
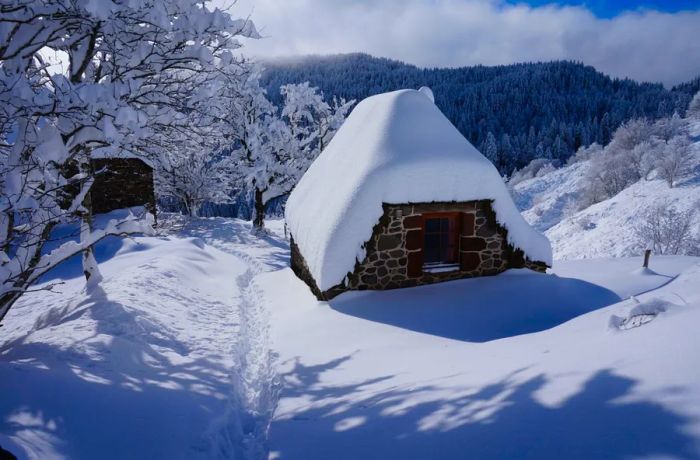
(644, 45)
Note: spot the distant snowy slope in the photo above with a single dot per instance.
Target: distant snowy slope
(607, 229)
(551, 202)
(545, 200)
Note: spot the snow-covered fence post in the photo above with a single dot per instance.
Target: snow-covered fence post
(647, 255)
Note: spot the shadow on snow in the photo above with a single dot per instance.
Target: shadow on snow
(480, 309)
(139, 390)
(503, 419)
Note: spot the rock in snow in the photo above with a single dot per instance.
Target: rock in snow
(394, 148)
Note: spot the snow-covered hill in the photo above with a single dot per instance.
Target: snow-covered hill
(546, 200)
(605, 229)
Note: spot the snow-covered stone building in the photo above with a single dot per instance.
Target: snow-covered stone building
(400, 198)
(122, 182)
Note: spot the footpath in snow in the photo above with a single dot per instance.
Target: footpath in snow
(167, 359)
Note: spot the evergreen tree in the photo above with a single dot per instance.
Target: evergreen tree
(491, 148)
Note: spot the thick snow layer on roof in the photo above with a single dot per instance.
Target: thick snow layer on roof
(394, 148)
(124, 154)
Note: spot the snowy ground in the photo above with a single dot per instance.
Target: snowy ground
(440, 372)
(144, 367)
(173, 359)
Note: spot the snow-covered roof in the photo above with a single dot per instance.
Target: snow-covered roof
(394, 148)
(103, 154)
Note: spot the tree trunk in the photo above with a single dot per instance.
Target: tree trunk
(24, 280)
(259, 220)
(90, 268)
(6, 302)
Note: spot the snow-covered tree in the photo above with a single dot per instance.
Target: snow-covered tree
(675, 159)
(668, 128)
(693, 111)
(312, 120)
(491, 148)
(666, 230)
(274, 149)
(262, 146)
(644, 156)
(138, 78)
(535, 168)
(193, 177)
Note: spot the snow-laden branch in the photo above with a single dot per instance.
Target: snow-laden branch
(273, 148)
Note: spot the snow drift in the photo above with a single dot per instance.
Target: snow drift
(394, 148)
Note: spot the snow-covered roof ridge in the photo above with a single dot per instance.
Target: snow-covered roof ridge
(394, 148)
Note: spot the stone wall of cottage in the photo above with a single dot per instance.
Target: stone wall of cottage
(122, 183)
(394, 255)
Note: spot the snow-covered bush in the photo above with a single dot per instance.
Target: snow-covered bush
(666, 230)
(644, 157)
(546, 169)
(610, 173)
(531, 170)
(666, 129)
(585, 153)
(631, 133)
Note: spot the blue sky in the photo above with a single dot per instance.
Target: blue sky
(646, 40)
(609, 9)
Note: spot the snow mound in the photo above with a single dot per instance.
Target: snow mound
(428, 93)
(394, 148)
(604, 393)
(641, 314)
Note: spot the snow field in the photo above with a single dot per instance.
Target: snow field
(205, 345)
(361, 384)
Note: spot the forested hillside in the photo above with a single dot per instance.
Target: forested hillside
(512, 113)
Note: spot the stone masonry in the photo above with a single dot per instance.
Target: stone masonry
(122, 183)
(394, 255)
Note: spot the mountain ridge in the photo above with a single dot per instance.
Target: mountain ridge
(513, 113)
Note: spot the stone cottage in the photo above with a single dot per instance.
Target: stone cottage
(400, 198)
